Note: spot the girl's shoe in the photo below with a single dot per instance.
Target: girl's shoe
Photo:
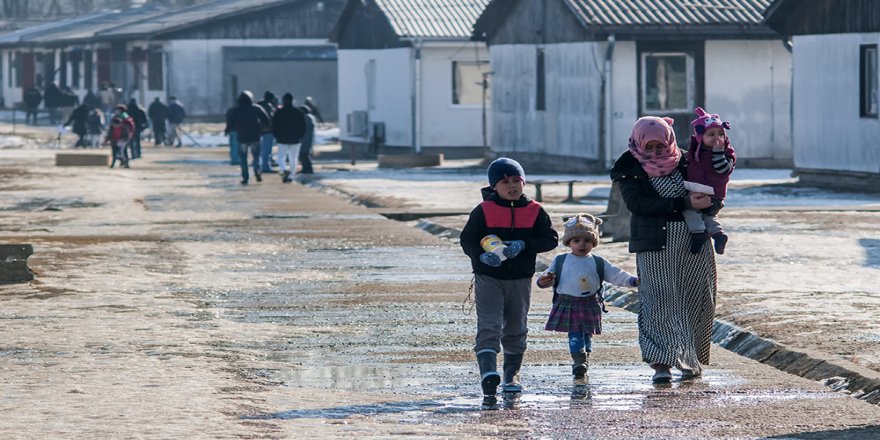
(661, 374)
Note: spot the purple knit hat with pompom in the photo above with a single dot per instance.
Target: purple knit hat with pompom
(706, 121)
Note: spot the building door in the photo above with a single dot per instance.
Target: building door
(670, 83)
(28, 73)
(315, 78)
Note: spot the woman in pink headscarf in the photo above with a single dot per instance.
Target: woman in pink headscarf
(677, 290)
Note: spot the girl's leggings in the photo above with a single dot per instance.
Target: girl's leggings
(580, 342)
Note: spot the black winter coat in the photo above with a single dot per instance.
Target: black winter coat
(158, 112)
(248, 121)
(288, 125)
(650, 212)
(523, 219)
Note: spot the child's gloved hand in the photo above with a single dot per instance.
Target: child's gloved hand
(490, 259)
(514, 247)
(634, 281)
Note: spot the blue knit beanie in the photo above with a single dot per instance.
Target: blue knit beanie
(504, 167)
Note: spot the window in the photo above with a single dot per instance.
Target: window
(540, 92)
(155, 72)
(88, 69)
(467, 82)
(868, 81)
(667, 83)
(370, 78)
(13, 69)
(75, 58)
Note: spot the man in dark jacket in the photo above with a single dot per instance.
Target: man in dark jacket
(305, 149)
(176, 113)
(248, 121)
(32, 98)
(52, 100)
(140, 124)
(288, 127)
(158, 113)
(78, 119)
(267, 140)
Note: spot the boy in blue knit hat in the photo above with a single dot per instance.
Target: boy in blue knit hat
(502, 280)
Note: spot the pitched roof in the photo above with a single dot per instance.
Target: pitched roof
(189, 16)
(610, 13)
(146, 21)
(432, 19)
(717, 17)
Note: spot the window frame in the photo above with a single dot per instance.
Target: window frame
(691, 83)
(455, 100)
(869, 103)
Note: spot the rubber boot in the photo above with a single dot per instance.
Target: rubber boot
(489, 377)
(512, 364)
(580, 364)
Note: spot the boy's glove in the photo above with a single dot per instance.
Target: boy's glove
(634, 281)
(490, 259)
(514, 247)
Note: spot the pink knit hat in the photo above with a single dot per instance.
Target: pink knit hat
(706, 121)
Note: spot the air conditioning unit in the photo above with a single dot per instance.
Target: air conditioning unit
(357, 123)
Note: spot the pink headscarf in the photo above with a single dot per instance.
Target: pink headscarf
(662, 161)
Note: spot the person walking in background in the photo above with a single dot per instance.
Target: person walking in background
(176, 114)
(502, 288)
(52, 100)
(305, 150)
(677, 288)
(139, 116)
(158, 113)
(95, 126)
(78, 120)
(577, 279)
(107, 98)
(248, 121)
(313, 109)
(32, 99)
(118, 135)
(230, 131)
(269, 105)
(91, 100)
(68, 100)
(711, 160)
(288, 127)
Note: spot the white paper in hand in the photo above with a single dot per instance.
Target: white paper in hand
(699, 187)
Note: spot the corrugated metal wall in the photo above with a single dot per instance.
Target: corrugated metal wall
(570, 125)
(829, 134)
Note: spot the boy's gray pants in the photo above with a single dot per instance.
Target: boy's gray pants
(699, 222)
(502, 313)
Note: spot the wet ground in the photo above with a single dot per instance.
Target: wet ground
(171, 302)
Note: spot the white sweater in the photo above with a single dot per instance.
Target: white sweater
(579, 276)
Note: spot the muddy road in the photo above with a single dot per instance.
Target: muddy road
(171, 302)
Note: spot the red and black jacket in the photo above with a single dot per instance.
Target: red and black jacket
(523, 219)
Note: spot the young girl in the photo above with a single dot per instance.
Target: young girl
(710, 162)
(502, 284)
(577, 288)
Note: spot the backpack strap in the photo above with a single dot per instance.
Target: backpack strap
(600, 270)
(557, 268)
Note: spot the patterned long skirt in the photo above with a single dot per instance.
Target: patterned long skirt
(677, 296)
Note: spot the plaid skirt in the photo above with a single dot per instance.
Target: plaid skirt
(570, 314)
